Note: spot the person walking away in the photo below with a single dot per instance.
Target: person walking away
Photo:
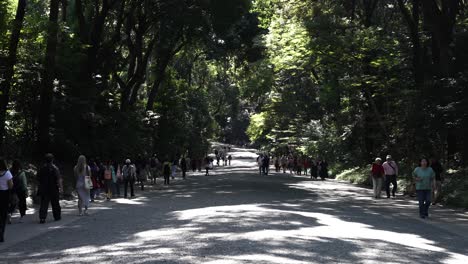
(284, 163)
(183, 166)
(266, 164)
(118, 180)
(218, 158)
(323, 170)
(207, 165)
(438, 170)
(306, 165)
(424, 177)
(313, 170)
(129, 176)
(167, 172)
(6, 184)
(81, 171)
(391, 174)
(20, 190)
(260, 163)
(154, 169)
(299, 166)
(277, 164)
(377, 174)
(175, 163)
(109, 175)
(95, 179)
(50, 185)
(143, 173)
(229, 159)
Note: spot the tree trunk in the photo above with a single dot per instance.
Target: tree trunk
(47, 85)
(5, 85)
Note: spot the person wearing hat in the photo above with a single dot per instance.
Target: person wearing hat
(391, 173)
(129, 176)
(377, 174)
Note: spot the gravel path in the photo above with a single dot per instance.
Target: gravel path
(238, 216)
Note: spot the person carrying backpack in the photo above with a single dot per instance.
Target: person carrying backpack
(50, 185)
(20, 189)
(129, 176)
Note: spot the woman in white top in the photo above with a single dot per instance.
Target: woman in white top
(6, 184)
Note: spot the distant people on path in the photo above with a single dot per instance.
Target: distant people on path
(82, 175)
(260, 163)
(118, 180)
(391, 174)
(207, 165)
(94, 192)
(313, 170)
(167, 171)
(19, 193)
(438, 170)
(424, 177)
(183, 167)
(154, 168)
(50, 184)
(284, 163)
(276, 161)
(129, 176)
(266, 164)
(175, 164)
(229, 159)
(6, 184)
(323, 169)
(377, 174)
(109, 176)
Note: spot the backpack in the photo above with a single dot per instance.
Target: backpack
(167, 169)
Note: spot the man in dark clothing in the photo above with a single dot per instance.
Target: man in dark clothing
(183, 166)
(50, 185)
(266, 164)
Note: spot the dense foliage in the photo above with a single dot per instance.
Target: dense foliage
(112, 78)
(352, 80)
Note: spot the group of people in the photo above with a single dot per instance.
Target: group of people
(92, 178)
(427, 177)
(300, 165)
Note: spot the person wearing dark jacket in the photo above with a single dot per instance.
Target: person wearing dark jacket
(50, 184)
(20, 189)
(6, 184)
(183, 166)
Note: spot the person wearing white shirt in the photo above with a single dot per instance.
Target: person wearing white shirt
(6, 184)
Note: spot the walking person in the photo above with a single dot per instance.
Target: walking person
(313, 170)
(95, 180)
(438, 170)
(166, 172)
(50, 186)
(19, 191)
(6, 184)
(229, 159)
(207, 165)
(260, 163)
(391, 174)
(183, 167)
(377, 174)
(175, 164)
(323, 169)
(129, 176)
(154, 164)
(109, 176)
(284, 163)
(266, 164)
(276, 160)
(81, 171)
(424, 177)
(117, 180)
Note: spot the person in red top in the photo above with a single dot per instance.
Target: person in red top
(377, 174)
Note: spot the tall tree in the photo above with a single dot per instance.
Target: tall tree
(48, 77)
(6, 80)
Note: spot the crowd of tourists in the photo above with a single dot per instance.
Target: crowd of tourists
(93, 179)
(427, 178)
(294, 164)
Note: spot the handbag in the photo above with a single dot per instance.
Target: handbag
(88, 182)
